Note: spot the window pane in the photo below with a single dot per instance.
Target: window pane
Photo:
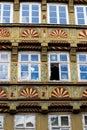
(24, 57)
(63, 57)
(54, 121)
(82, 58)
(34, 58)
(64, 121)
(19, 121)
(4, 57)
(85, 118)
(83, 68)
(54, 71)
(30, 121)
(1, 122)
(3, 71)
(83, 76)
(53, 57)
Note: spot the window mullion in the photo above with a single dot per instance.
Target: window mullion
(57, 11)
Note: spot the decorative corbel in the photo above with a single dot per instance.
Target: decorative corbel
(76, 109)
(12, 108)
(16, 5)
(14, 52)
(44, 52)
(44, 109)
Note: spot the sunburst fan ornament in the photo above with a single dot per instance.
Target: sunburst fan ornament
(30, 33)
(2, 93)
(83, 34)
(29, 92)
(84, 94)
(58, 34)
(59, 92)
(4, 32)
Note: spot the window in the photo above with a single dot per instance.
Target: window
(57, 14)
(6, 12)
(29, 67)
(1, 122)
(84, 122)
(81, 15)
(59, 66)
(82, 66)
(30, 13)
(59, 122)
(24, 122)
(4, 66)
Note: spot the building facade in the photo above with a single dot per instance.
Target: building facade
(43, 65)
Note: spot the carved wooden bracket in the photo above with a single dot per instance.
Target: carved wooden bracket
(44, 5)
(76, 109)
(16, 5)
(73, 53)
(71, 6)
(14, 52)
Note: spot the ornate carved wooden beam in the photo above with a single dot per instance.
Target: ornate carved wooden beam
(16, 5)
(73, 52)
(14, 52)
(71, 6)
(44, 52)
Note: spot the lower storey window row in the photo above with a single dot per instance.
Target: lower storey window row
(29, 66)
(55, 122)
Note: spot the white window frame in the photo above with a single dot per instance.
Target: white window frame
(60, 127)
(57, 8)
(60, 63)
(2, 62)
(28, 63)
(81, 63)
(24, 118)
(83, 122)
(84, 12)
(30, 5)
(11, 12)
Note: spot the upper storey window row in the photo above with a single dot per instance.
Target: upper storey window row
(31, 13)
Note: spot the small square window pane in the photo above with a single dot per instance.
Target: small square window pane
(34, 58)
(6, 13)
(82, 58)
(35, 20)
(35, 7)
(25, 7)
(64, 75)
(53, 57)
(4, 57)
(34, 76)
(34, 13)
(62, 9)
(80, 15)
(34, 67)
(83, 76)
(19, 122)
(52, 8)
(63, 21)
(25, 13)
(1, 122)
(7, 7)
(24, 57)
(64, 121)
(63, 57)
(54, 121)
(25, 19)
(6, 20)
(64, 68)
(30, 122)
(83, 68)
(81, 21)
(53, 20)
(79, 9)
(85, 118)
(24, 67)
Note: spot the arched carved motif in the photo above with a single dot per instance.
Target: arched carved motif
(84, 94)
(30, 33)
(83, 34)
(29, 93)
(59, 93)
(58, 33)
(4, 32)
(2, 93)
